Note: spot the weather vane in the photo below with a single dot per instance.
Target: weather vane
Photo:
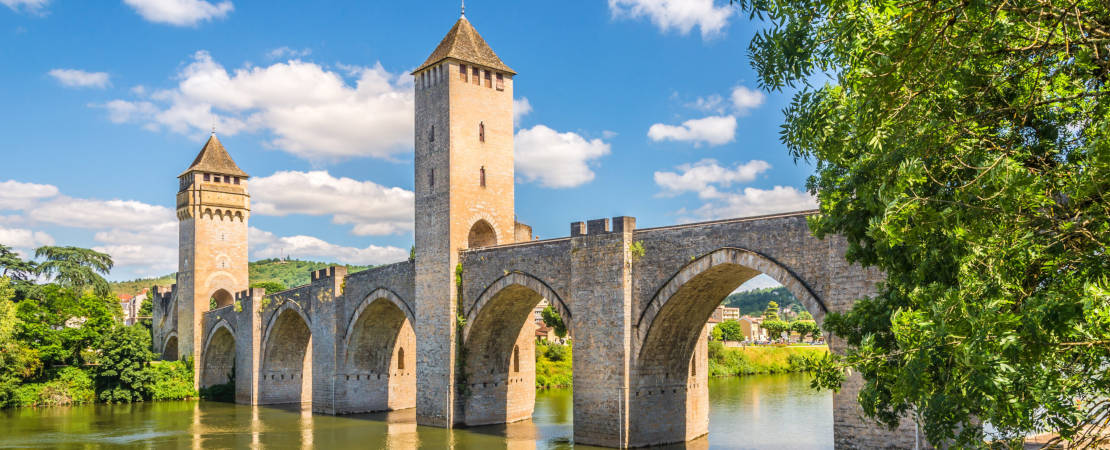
(463, 9)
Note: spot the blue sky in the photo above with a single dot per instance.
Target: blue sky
(647, 108)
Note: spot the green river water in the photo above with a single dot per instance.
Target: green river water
(760, 411)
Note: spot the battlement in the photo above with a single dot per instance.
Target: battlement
(328, 273)
(250, 293)
(600, 226)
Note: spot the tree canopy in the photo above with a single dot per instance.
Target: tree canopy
(75, 268)
(963, 147)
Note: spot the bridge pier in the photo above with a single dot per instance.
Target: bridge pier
(248, 345)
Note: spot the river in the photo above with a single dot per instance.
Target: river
(760, 411)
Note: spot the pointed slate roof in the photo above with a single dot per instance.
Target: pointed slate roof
(465, 44)
(213, 158)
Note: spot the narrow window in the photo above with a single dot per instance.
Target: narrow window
(482, 176)
(401, 359)
(474, 75)
(432, 134)
(481, 132)
(516, 359)
(236, 180)
(207, 177)
(432, 178)
(500, 82)
(217, 179)
(489, 79)
(462, 72)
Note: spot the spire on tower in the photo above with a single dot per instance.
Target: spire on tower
(462, 12)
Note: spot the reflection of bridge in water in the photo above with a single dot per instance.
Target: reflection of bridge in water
(450, 332)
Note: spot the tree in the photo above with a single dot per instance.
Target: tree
(20, 273)
(270, 286)
(17, 362)
(120, 375)
(772, 311)
(775, 328)
(805, 327)
(964, 149)
(75, 268)
(552, 319)
(729, 331)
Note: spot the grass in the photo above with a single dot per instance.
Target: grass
(725, 362)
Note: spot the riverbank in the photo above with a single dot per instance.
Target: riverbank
(72, 385)
(760, 359)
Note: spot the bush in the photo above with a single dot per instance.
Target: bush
(219, 392)
(725, 362)
(123, 374)
(553, 365)
(67, 386)
(173, 380)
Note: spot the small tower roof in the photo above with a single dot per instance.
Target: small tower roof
(213, 158)
(465, 44)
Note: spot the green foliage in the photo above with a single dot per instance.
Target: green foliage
(412, 253)
(772, 312)
(65, 328)
(636, 248)
(553, 365)
(458, 275)
(66, 386)
(121, 375)
(775, 328)
(21, 273)
(963, 148)
(725, 361)
(805, 328)
(17, 361)
(729, 330)
(171, 380)
(270, 286)
(552, 319)
(754, 302)
(75, 268)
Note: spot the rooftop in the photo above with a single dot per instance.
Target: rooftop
(213, 158)
(465, 44)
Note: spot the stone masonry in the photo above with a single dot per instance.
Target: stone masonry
(450, 332)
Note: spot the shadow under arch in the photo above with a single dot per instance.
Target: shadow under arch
(286, 367)
(169, 348)
(222, 298)
(499, 347)
(481, 234)
(669, 366)
(218, 360)
(377, 373)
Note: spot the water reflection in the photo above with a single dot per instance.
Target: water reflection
(773, 411)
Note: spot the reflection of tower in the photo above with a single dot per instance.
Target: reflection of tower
(212, 210)
(464, 192)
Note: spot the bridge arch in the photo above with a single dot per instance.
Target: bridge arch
(378, 374)
(169, 347)
(286, 374)
(218, 359)
(669, 360)
(499, 342)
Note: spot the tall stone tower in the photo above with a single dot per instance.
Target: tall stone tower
(212, 209)
(464, 194)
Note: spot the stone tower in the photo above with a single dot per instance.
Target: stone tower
(464, 193)
(212, 209)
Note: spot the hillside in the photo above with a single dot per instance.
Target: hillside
(290, 273)
(755, 301)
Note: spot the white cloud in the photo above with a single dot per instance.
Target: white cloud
(180, 12)
(521, 108)
(556, 160)
(101, 214)
(143, 260)
(754, 202)
(286, 52)
(705, 176)
(681, 15)
(371, 208)
(267, 245)
(23, 238)
(80, 78)
(29, 6)
(17, 195)
(309, 111)
(712, 130)
(744, 99)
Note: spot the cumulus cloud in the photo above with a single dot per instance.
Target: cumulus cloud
(681, 15)
(521, 108)
(286, 52)
(17, 195)
(267, 245)
(372, 209)
(705, 176)
(709, 181)
(309, 111)
(80, 78)
(556, 160)
(744, 99)
(712, 130)
(740, 101)
(180, 12)
(96, 214)
(24, 238)
(28, 6)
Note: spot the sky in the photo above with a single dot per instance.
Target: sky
(644, 108)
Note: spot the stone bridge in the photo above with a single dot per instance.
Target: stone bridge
(635, 300)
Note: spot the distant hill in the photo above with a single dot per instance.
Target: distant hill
(291, 273)
(754, 302)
